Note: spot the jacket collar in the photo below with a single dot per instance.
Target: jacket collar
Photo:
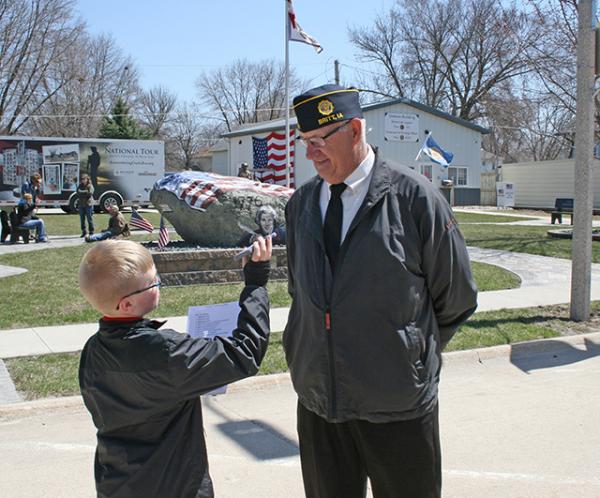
(378, 187)
(120, 327)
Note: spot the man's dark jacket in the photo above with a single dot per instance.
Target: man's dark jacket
(366, 342)
(142, 387)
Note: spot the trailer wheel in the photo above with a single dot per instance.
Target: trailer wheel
(110, 199)
(73, 204)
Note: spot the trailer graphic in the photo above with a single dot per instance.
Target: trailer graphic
(121, 171)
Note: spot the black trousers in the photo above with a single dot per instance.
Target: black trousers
(401, 459)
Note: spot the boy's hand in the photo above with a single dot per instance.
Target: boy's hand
(262, 248)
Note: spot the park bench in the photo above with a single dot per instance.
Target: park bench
(561, 206)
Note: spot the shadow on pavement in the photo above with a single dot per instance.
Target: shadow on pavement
(550, 353)
(258, 438)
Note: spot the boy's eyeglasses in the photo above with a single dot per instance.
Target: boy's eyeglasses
(319, 142)
(155, 284)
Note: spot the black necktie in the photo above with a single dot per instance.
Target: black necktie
(332, 229)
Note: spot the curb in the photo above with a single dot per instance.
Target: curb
(554, 345)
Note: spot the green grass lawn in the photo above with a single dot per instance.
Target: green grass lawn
(56, 374)
(463, 217)
(48, 294)
(60, 223)
(527, 239)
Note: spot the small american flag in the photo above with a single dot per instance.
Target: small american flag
(137, 221)
(163, 234)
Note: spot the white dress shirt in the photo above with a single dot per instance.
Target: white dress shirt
(354, 195)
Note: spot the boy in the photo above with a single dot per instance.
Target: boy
(142, 385)
(116, 226)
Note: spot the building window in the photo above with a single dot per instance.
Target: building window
(458, 175)
(426, 171)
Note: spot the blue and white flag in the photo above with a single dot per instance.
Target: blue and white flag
(435, 152)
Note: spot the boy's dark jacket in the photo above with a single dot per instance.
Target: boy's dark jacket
(142, 387)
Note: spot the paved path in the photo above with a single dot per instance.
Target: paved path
(516, 421)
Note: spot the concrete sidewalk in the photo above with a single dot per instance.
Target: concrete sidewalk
(516, 421)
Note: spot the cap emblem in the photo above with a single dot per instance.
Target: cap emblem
(325, 107)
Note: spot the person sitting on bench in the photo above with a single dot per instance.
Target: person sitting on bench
(26, 218)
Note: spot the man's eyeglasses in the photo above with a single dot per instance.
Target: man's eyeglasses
(155, 284)
(319, 142)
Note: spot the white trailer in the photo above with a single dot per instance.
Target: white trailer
(123, 172)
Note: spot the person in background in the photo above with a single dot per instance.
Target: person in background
(85, 198)
(117, 227)
(244, 172)
(33, 187)
(380, 281)
(26, 218)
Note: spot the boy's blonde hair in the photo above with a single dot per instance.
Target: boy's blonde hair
(28, 196)
(111, 270)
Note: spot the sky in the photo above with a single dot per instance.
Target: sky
(173, 42)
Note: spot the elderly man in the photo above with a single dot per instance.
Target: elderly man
(380, 280)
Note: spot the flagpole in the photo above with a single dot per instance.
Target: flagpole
(427, 133)
(287, 92)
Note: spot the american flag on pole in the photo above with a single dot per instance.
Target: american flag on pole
(297, 34)
(137, 221)
(163, 234)
(270, 158)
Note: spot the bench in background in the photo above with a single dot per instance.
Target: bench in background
(11, 230)
(562, 206)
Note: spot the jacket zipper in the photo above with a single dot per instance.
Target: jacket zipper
(332, 396)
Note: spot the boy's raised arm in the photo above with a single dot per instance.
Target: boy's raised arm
(200, 365)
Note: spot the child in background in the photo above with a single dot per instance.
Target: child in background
(117, 226)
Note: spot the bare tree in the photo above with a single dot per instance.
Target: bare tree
(246, 92)
(524, 129)
(155, 108)
(188, 134)
(35, 38)
(555, 59)
(97, 74)
(453, 58)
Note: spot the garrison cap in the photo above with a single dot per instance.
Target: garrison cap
(326, 104)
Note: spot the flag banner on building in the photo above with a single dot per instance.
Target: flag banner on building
(297, 34)
(201, 189)
(163, 234)
(435, 152)
(270, 158)
(137, 221)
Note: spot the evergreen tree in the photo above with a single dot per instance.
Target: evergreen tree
(119, 124)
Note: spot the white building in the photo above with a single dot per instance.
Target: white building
(539, 183)
(398, 128)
